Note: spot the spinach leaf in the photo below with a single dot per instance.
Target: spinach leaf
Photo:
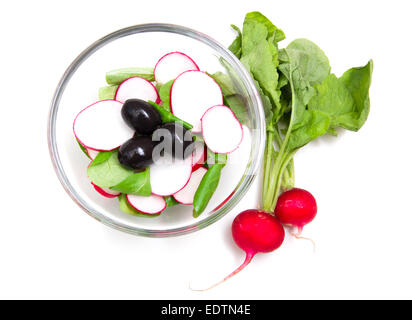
(106, 170)
(164, 93)
(83, 149)
(167, 116)
(101, 157)
(170, 201)
(119, 75)
(127, 208)
(137, 183)
(108, 92)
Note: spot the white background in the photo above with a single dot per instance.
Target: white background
(49, 248)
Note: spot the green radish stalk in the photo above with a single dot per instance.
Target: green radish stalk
(119, 75)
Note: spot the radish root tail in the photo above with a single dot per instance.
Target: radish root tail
(298, 236)
(248, 259)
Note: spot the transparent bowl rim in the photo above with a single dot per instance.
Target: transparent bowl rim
(241, 188)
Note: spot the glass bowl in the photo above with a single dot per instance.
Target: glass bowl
(141, 46)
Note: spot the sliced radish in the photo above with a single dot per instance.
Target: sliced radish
(106, 192)
(149, 205)
(168, 175)
(136, 88)
(186, 195)
(199, 155)
(171, 65)
(192, 93)
(100, 126)
(92, 153)
(222, 131)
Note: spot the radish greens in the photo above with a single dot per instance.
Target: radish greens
(302, 99)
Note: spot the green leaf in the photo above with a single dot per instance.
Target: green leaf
(236, 46)
(231, 98)
(164, 93)
(311, 61)
(101, 157)
(127, 208)
(106, 170)
(307, 65)
(170, 201)
(358, 81)
(315, 124)
(275, 34)
(237, 104)
(345, 100)
(119, 75)
(225, 82)
(267, 106)
(333, 98)
(167, 116)
(283, 81)
(83, 149)
(301, 90)
(305, 125)
(260, 54)
(137, 183)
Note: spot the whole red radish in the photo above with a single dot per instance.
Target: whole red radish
(255, 231)
(296, 208)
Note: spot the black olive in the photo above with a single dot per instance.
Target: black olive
(175, 138)
(136, 153)
(141, 116)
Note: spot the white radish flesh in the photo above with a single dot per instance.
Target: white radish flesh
(199, 155)
(221, 130)
(192, 93)
(148, 205)
(171, 65)
(168, 175)
(187, 194)
(101, 127)
(137, 88)
(106, 192)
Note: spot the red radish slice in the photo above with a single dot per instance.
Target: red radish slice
(186, 195)
(136, 88)
(92, 153)
(199, 155)
(192, 93)
(106, 192)
(149, 205)
(171, 65)
(101, 127)
(168, 175)
(222, 131)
